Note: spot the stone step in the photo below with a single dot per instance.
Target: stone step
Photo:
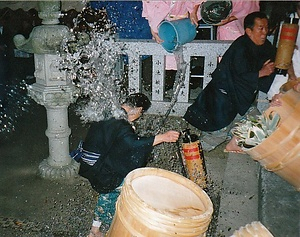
(239, 194)
(251, 193)
(279, 205)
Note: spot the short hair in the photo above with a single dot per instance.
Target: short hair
(249, 20)
(138, 100)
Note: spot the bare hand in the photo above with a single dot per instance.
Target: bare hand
(156, 37)
(276, 100)
(292, 77)
(194, 19)
(193, 15)
(291, 73)
(297, 87)
(267, 69)
(227, 20)
(170, 136)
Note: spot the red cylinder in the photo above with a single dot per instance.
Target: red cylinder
(194, 162)
(286, 46)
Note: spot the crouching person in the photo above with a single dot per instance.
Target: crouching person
(110, 151)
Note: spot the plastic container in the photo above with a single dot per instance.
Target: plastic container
(176, 33)
(213, 12)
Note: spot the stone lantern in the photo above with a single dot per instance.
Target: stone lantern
(53, 89)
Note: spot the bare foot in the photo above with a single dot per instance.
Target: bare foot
(95, 232)
(233, 147)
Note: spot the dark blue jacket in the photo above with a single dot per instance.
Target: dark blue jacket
(120, 151)
(234, 85)
(116, 139)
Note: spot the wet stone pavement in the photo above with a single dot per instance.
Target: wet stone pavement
(30, 205)
(34, 207)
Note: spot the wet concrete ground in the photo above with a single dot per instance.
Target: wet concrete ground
(31, 206)
(36, 207)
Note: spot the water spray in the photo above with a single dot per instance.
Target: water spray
(190, 153)
(178, 84)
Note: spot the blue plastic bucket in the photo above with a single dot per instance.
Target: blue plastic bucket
(176, 33)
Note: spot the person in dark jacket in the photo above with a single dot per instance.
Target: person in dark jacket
(120, 150)
(245, 68)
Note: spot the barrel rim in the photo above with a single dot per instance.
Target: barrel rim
(159, 172)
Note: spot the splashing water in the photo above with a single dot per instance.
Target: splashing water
(179, 79)
(91, 59)
(178, 84)
(13, 105)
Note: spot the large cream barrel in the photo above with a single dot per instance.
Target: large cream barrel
(159, 203)
(255, 228)
(288, 168)
(286, 136)
(289, 101)
(278, 152)
(273, 149)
